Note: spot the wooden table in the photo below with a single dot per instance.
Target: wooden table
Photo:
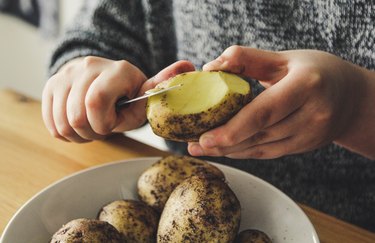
(30, 159)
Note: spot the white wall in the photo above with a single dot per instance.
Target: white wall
(24, 53)
(24, 56)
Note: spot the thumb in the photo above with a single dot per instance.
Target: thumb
(266, 66)
(167, 73)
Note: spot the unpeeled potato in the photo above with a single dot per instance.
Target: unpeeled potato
(205, 100)
(200, 209)
(134, 219)
(157, 182)
(87, 231)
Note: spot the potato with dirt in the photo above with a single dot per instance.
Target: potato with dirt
(134, 219)
(204, 101)
(158, 181)
(200, 209)
(84, 230)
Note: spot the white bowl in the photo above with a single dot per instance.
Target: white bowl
(82, 195)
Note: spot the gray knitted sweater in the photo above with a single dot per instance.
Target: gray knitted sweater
(154, 33)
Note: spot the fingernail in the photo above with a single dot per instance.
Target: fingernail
(196, 150)
(207, 141)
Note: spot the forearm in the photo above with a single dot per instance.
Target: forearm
(359, 136)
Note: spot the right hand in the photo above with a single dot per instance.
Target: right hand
(78, 102)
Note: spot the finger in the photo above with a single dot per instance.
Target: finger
(76, 109)
(136, 113)
(60, 118)
(268, 108)
(296, 136)
(288, 127)
(262, 137)
(47, 107)
(270, 150)
(254, 63)
(288, 146)
(125, 80)
(167, 73)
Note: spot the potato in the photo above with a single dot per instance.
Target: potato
(200, 209)
(252, 236)
(87, 231)
(134, 219)
(157, 182)
(204, 101)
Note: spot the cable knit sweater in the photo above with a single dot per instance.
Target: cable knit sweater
(155, 33)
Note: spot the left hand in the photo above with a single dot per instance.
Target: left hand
(309, 101)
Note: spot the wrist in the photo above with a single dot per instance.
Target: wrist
(359, 134)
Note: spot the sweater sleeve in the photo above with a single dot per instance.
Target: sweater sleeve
(112, 29)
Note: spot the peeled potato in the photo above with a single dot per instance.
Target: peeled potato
(200, 209)
(157, 182)
(205, 100)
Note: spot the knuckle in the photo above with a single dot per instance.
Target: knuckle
(314, 80)
(322, 118)
(56, 80)
(228, 139)
(66, 131)
(67, 71)
(233, 51)
(89, 61)
(95, 100)
(102, 129)
(122, 65)
(77, 121)
(231, 57)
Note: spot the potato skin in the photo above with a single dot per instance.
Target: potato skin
(134, 219)
(252, 236)
(200, 209)
(157, 182)
(87, 231)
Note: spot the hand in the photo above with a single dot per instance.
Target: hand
(309, 101)
(78, 102)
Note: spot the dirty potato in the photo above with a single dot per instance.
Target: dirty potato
(134, 219)
(200, 209)
(205, 100)
(157, 182)
(87, 231)
(252, 236)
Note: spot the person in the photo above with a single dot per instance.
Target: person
(310, 128)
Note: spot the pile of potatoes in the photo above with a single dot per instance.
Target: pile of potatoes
(182, 199)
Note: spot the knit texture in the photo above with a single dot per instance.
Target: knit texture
(154, 33)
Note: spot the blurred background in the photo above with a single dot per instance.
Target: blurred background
(29, 31)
